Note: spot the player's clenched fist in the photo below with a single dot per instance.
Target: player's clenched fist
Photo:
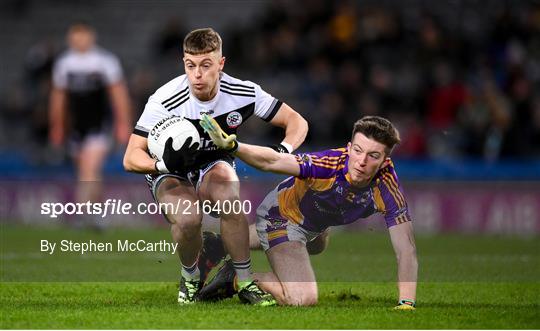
(218, 136)
(177, 161)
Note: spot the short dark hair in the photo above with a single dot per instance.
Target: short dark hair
(202, 41)
(379, 129)
(81, 27)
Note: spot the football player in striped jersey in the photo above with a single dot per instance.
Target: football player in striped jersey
(329, 188)
(89, 105)
(209, 175)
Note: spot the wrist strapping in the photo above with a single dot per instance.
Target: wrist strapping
(161, 167)
(287, 146)
(234, 148)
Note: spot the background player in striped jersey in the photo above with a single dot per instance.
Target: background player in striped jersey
(328, 188)
(87, 84)
(209, 174)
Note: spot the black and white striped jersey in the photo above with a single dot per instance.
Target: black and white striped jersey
(235, 102)
(85, 78)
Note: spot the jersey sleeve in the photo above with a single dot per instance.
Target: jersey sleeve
(320, 164)
(389, 198)
(112, 69)
(153, 113)
(266, 106)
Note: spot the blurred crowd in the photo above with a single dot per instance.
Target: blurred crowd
(451, 94)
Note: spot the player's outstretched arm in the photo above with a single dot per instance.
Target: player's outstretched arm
(267, 159)
(263, 158)
(402, 238)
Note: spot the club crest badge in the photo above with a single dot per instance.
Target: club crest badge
(234, 119)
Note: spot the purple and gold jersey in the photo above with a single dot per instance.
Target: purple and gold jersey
(322, 195)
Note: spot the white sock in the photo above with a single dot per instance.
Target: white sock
(192, 272)
(243, 270)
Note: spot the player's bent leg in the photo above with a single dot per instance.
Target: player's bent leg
(89, 159)
(319, 244)
(89, 162)
(290, 263)
(221, 184)
(187, 222)
(185, 229)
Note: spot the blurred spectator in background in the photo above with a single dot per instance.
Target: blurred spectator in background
(87, 81)
(39, 63)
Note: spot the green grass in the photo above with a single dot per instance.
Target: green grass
(466, 282)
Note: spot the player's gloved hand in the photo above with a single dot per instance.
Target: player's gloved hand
(177, 161)
(405, 305)
(218, 136)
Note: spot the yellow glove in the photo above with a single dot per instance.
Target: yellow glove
(405, 305)
(218, 136)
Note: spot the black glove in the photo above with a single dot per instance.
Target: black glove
(178, 161)
(279, 148)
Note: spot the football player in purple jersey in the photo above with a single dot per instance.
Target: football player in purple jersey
(329, 188)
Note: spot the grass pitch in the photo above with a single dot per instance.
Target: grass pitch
(465, 282)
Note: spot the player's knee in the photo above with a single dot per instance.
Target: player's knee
(304, 300)
(186, 226)
(224, 191)
(309, 295)
(302, 294)
(220, 184)
(222, 172)
(309, 300)
(225, 195)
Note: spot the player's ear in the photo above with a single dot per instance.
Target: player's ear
(349, 146)
(221, 63)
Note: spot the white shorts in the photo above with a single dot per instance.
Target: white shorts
(193, 177)
(98, 140)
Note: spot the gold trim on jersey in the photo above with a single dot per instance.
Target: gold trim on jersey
(327, 157)
(335, 164)
(379, 202)
(392, 186)
(402, 219)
